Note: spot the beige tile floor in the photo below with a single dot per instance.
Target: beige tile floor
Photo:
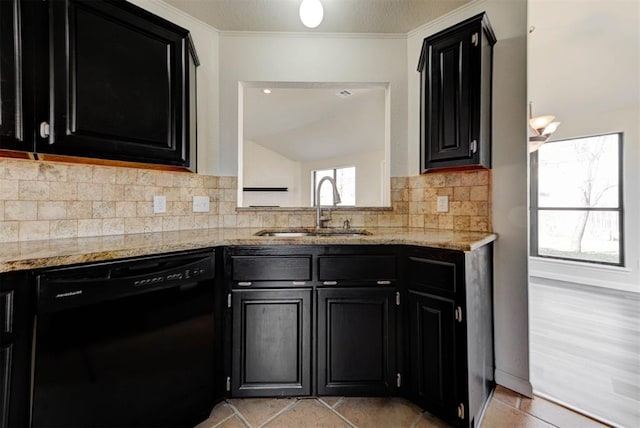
(506, 409)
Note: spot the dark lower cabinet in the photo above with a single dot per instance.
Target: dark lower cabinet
(356, 341)
(16, 323)
(271, 353)
(431, 350)
(449, 340)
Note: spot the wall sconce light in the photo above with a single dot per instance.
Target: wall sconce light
(543, 126)
(311, 13)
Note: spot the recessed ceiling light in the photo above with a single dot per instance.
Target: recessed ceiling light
(266, 91)
(344, 93)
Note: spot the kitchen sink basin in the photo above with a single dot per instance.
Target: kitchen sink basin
(312, 232)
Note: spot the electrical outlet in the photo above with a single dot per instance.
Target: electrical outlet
(443, 204)
(200, 204)
(159, 204)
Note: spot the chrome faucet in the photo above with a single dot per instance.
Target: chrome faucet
(336, 200)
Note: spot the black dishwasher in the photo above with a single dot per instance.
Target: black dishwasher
(126, 344)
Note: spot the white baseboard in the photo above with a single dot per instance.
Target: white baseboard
(514, 383)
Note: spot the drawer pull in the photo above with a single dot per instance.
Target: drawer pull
(383, 282)
(330, 283)
(299, 283)
(244, 283)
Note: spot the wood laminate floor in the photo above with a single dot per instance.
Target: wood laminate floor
(585, 348)
(506, 409)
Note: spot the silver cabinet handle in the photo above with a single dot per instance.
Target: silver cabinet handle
(44, 129)
(299, 283)
(330, 283)
(244, 283)
(383, 282)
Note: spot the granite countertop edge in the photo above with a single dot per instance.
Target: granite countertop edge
(24, 255)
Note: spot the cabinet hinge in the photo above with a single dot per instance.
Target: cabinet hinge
(397, 298)
(473, 145)
(458, 314)
(398, 380)
(44, 129)
(229, 300)
(474, 39)
(228, 383)
(461, 411)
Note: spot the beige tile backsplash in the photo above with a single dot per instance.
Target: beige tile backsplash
(42, 200)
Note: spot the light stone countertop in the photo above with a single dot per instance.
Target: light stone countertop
(59, 252)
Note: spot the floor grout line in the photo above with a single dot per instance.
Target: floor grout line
(351, 424)
(240, 415)
(413, 425)
(224, 420)
(280, 412)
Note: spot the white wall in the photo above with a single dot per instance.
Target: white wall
(205, 39)
(592, 87)
(509, 21)
(369, 172)
(266, 168)
(294, 57)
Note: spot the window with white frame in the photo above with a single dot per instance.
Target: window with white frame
(345, 179)
(576, 200)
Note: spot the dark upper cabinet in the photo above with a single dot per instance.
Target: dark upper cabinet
(455, 96)
(11, 110)
(271, 351)
(103, 79)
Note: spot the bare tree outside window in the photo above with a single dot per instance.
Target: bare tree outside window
(576, 199)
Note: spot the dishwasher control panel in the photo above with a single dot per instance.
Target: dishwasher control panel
(87, 284)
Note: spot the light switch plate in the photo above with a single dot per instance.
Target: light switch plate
(200, 204)
(443, 204)
(159, 204)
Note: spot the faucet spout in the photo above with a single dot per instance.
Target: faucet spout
(336, 200)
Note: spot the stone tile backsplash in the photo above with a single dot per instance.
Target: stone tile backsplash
(42, 200)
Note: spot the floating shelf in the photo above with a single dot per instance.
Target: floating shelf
(265, 189)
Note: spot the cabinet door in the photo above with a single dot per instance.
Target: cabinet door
(120, 80)
(356, 341)
(448, 88)
(16, 328)
(10, 75)
(271, 350)
(431, 348)
(456, 67)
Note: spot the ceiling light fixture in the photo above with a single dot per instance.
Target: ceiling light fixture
(543, 126)
(266, 91)
(311, 13)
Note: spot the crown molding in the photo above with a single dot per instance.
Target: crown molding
(446, 18)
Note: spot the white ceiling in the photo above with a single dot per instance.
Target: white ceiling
(340, 16)
(311, 123)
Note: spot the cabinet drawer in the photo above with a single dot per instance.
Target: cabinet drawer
(368, 268)
(271, 268)
(436, 274)
(6, 311)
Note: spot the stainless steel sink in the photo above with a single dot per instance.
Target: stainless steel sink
(312, 232)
